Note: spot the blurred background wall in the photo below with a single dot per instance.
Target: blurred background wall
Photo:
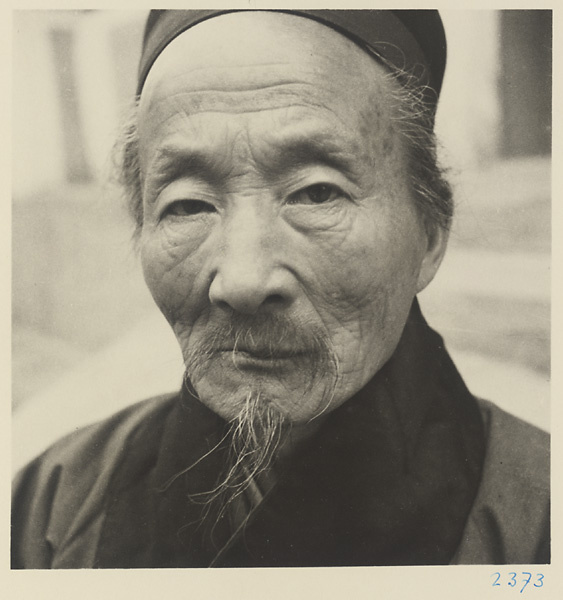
(86, 337)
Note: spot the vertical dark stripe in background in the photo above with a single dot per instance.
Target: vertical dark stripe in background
(76, 162)
(525, 78)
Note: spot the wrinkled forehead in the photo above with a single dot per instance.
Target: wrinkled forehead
(411, 41)
(261, 49)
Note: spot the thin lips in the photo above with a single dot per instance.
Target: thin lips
(263, 353)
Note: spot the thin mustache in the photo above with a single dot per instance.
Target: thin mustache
(262, 338)
(263, 353)
(267, 337)
(270, 335)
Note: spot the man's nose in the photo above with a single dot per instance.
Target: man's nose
(248, 275)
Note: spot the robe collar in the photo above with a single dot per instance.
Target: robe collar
(388, 479)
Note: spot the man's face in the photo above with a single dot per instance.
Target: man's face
(276, 211)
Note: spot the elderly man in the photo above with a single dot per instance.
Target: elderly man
(282, 175)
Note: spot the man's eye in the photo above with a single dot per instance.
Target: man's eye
(319, 193)
(188, 208)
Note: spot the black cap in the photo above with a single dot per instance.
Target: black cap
(410, 40)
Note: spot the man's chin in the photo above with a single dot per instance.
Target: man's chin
(299, 386)
(228, 396)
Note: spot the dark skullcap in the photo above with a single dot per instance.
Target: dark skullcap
(409, 40)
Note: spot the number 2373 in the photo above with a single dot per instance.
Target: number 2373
(520, 580)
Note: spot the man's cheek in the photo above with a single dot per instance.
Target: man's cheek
(174, 284)
(343, 268)
(172, 242)
(357, 315)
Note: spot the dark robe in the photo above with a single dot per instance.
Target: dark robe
(412, 470)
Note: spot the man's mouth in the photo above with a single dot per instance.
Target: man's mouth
(260, 357)
(263, 353)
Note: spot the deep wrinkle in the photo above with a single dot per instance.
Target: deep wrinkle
(349, 265)
(288, 152)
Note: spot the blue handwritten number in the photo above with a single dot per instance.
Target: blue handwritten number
(512, 581)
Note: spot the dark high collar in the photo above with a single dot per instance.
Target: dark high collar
(388, 479)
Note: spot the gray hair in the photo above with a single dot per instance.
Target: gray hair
(431, 191)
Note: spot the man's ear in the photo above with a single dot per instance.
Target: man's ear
(437, 239)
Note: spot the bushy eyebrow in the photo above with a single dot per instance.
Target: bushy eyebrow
(311, 151)
(174, 161)
(285, 155)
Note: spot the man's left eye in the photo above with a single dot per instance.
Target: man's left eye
(319, 193)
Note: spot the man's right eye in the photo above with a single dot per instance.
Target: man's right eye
(188, 208)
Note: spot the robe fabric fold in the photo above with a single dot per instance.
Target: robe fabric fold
(410, 471)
